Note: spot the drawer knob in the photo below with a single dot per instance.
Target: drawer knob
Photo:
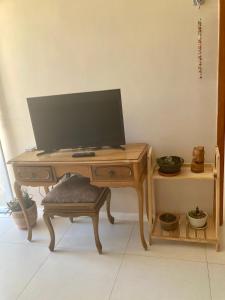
(112, 173)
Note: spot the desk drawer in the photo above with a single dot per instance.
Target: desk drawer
(33, 173)
(112, 172)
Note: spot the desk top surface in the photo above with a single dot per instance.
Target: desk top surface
(132, 152)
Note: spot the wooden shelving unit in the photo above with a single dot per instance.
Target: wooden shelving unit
(210, 235)
(187, 174)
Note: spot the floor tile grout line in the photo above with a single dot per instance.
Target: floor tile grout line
(207, 266)
(64, 234)
(32, 277)
(135, 254)
(163, 257)
(27, 243)
(210, 289)
(121, 263)
(7, 230)
(129, 238)
(41, 265)
(123, 254)
(45, 260)
(22, 243)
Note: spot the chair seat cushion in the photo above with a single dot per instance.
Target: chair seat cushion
(76, 189)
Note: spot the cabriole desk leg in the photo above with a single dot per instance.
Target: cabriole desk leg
(140, 194)
(146, 198)
(150, 214)
(19, 196)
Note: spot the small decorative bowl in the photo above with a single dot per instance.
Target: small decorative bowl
(168, 221)
(170, 164)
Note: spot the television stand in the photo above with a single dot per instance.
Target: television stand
(113, 169)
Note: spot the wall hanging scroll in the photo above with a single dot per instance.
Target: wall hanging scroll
(200, 48)
(199, 42)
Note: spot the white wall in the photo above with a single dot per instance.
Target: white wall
(146, 48)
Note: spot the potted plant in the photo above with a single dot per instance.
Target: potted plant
(197, 218)
(168, 221)
(15, 210)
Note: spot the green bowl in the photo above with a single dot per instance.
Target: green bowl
(170, 164)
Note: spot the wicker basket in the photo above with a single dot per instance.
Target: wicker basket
(20, 220)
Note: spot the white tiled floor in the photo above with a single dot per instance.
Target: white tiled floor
(169, 270)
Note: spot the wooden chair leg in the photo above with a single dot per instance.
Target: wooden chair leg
(95, 220)
(71, 219)
(110, 217)
(48, 223)
(146, 199)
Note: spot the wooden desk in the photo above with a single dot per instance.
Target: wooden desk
(110, 167)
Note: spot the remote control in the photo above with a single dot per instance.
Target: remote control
(83, 154)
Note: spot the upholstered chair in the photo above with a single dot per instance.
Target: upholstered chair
(73, 198)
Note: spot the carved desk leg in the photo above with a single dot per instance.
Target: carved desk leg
(149, 197)
(146, 198)
(140, 194)
(148, 208)
(19, 195)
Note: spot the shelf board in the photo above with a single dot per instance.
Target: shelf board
(185, 235)
(187, 174)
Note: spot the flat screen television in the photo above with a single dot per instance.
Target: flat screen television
(90, 119)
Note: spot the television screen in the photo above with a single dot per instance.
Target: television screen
(90, 119)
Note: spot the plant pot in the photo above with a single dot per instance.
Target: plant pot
(20, 220)
(168, 221)
(197, 222)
